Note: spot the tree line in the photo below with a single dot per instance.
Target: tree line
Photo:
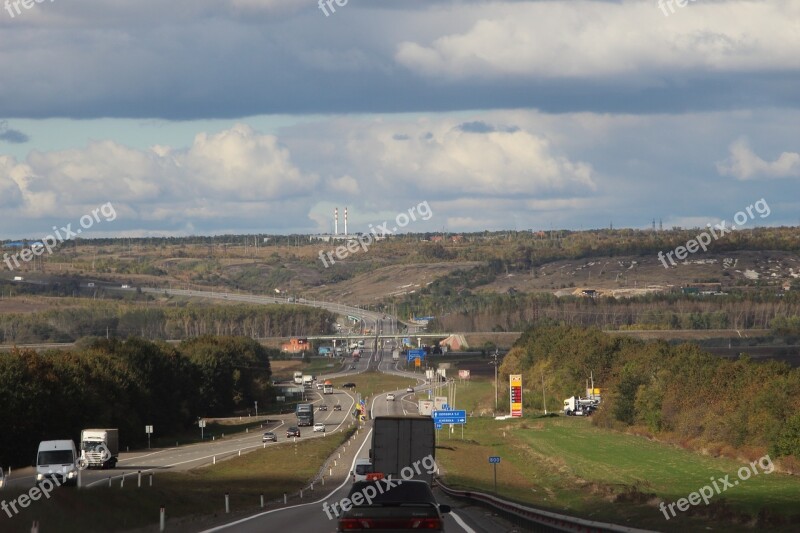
(125, 384)
(114, 319)
(677, 392)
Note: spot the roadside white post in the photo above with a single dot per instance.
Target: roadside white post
(227, 503)
(109, 482)
(262, 501)
(122, 483)
(139, 480)
(162, 519)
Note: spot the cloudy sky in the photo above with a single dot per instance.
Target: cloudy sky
(218, 116)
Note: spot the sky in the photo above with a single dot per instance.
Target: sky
(203, 117)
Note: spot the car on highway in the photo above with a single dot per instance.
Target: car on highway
(319, 426)
(410, 389)
(323, 407)
(293, 431)
(409, 506)
(349, 385)
(361, 469)
(337, 407)
(269, 436)
(390, 397)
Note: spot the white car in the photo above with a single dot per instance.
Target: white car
(390, 397)
(410, 389)
(319, 426)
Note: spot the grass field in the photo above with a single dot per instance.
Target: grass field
(271, 471)
(566, 464)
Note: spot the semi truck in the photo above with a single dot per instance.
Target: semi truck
(308, 380)
(100, 447)
(404, 441)
(327, 387)
(305, 414)
(580, 406)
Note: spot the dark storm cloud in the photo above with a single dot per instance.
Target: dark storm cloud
(10, 135)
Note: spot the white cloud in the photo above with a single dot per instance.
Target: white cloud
(440, 157)
(231, 168)
(587, 39)
(744, 164)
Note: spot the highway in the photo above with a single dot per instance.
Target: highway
(312, 517)
(186, 457)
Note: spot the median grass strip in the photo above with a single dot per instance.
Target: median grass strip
(200, 492)
(368, 384)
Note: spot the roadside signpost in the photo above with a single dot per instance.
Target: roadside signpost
(202, 424)
(494, 461)
(149, 431)
(450, 417)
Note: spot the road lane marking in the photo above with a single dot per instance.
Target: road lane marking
(325, 498)
(461, 523)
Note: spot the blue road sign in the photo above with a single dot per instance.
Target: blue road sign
(450, 417)
(445, 407)
(438, 426)
(494, 459)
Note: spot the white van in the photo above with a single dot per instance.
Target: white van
(362, 468)
(57, 459)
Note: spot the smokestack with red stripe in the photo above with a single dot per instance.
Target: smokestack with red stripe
(345, 222)
(336, 221)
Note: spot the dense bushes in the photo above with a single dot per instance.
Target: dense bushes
(678, 391)
(127, 385)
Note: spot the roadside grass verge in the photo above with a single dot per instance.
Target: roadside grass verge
(565, 464)
(200, 492)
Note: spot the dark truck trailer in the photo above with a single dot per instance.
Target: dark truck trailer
(305, 414)
(404, 441)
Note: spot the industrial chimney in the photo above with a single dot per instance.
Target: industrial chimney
(336, 221)
(345, 222)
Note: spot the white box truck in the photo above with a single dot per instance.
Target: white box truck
(403, 441)
(57, 459)
(100, 447)
(308, 380)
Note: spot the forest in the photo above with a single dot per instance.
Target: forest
(125, 384)
(119, 319)
(676, 393)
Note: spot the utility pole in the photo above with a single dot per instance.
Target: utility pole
(544, 399)
(494, 362)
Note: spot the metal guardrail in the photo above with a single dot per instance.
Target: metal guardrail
(537, 516)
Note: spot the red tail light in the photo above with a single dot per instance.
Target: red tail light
(348, 524)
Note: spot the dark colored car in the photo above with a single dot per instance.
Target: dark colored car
(269, 436)
(337, 407)
(293, 432)
(406, 506)
(349, 385)
(323, 407)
